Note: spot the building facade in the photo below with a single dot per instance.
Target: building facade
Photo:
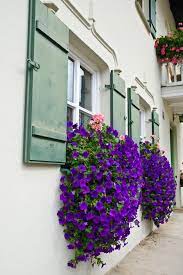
(94, 38)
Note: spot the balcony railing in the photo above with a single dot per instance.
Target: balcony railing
(172, 75)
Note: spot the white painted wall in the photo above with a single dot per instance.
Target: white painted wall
(181, 145)
(31, 240)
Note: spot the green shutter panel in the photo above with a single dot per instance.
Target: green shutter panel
(117, 102)
(155, 124)
(46, 96)
(133, 116)
(152, 17)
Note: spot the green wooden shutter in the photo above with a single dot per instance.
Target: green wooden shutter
(133, 115)
(46, 97)
(152, 17)
(117, 102)
(155, 124)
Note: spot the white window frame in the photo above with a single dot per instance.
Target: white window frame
(80, 62)
(145, 8)
(144, 13)
(142, 122)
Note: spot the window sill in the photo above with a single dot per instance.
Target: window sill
(144, 20)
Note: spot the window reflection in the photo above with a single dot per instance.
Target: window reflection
(70, 88)
(84, 118)
(69, 114)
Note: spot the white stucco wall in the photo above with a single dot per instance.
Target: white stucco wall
(31, 241)
(181, 145)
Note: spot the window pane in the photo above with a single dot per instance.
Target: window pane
(84, 118)
(86, 88)
(70, 88)
(178, 69)
(142, 124)
(69, 114)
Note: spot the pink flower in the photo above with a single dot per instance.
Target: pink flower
(167, 59)
(174, 60)
(177, 50)
(162, 60)
(98, 118)
(156, 43)
(96, 126)
(163, 51)
(97, 121)
(122, 138)
(181, 49)
(173, 49)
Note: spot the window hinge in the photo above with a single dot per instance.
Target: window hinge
(34, 65)
(110, 87)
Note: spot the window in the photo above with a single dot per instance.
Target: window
(82, 91)
(147, 11)
(145, 120)
(142, 123)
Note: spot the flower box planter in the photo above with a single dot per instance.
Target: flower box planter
(169, 49)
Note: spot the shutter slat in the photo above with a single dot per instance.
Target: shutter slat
(49, 133)
(46, 103)
(50, 34)
(118, 105)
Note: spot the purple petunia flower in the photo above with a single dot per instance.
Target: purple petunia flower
(90, 246)
(93, 168)
(82, 168)
(85, 154)
(71, 246)
(67, 236)
(82, 226)
(75, 154)
(100, 193)
(158, 192)
(99, 206)
(83, 206)
(89, 216)
(69, 124)
(72, 264)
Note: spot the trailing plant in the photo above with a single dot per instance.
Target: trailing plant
(101, 191)
(170, 48)
(158, 192)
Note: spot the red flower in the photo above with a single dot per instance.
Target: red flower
(173, 49)
(163, 51)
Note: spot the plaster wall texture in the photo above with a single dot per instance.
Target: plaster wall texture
(32, 242)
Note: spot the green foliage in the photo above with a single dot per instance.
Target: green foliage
(170, 48)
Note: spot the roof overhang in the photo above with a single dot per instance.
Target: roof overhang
(176, 7)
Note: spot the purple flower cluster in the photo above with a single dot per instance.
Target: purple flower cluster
(158, 193)
(100, 193)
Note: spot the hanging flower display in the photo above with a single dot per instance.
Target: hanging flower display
(170, 48)
(158, 192)
(101, 191)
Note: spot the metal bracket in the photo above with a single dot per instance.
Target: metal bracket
(108, 87)
(34, 65)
